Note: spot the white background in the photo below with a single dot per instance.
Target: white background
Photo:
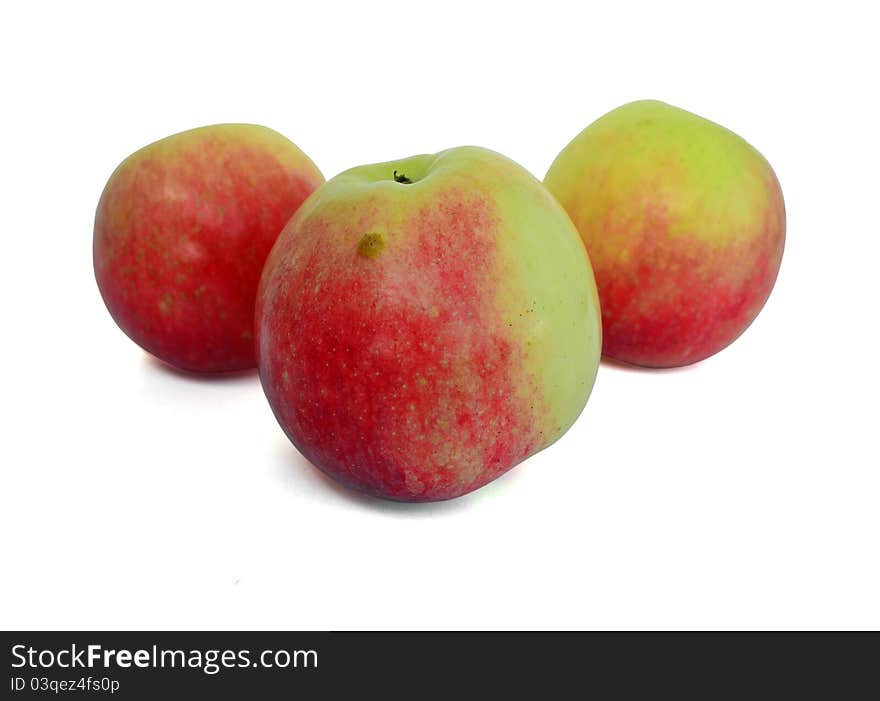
(742, 492)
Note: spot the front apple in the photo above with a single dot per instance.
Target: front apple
(424, 325)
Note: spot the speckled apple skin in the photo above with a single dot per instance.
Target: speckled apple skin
(417, 340)
(182, 231)
(685, 225)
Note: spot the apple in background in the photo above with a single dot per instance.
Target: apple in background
(685, 225)
(182, 230)
(424, 325)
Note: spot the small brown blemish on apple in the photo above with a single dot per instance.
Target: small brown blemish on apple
(371, 245)
(165, 303)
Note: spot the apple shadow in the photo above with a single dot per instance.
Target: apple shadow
(306, 477)
(640, 369)
(154, 364)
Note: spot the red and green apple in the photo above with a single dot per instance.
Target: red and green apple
(182, 230)
(685, 226)
(424, 325)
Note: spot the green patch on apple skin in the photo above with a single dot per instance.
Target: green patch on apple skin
(371, 245)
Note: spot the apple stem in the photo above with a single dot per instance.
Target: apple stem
(401, 178)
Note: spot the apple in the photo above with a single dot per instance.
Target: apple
(685, 225)
(182, 230)
(424, 325)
